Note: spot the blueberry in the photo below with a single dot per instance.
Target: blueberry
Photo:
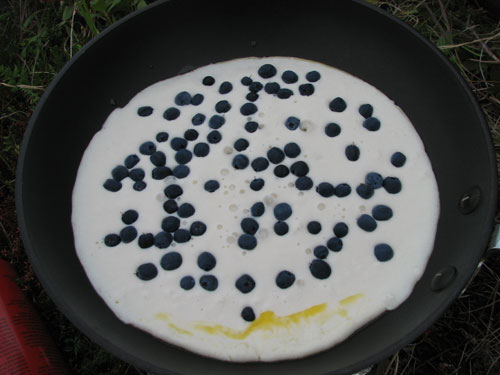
(282, 211)
(299, 168)
(183, 156)
(383, 252)
(187, 282)
(392, 185)
(247, 314)
(246, 81)
(365, 110)
(158, 158)
(209, 282)
(139, 185)
(248, 109)
(332, 129)
(255, 87)
(191, 135)
(367, 223)
(178, 143)
(334, 244)
(128, 234)
(313, 76)
(320, 252)
(337, 105)
(214, 137)
(130, 216)
(257, 184)
(181, 171)
(211, 186)
(147, 148)
(159, 173)
(146, 240)
(208, 81)
(252, 96)
(198, 119)
(222, 106)
(281, 171)
(257, 209)
(314, 227)
(131, 161)
(145, 111)
(306, 89)
(372, 124)
(201, 149)
(241, 144)
(342, 190)
(247, 242)
(163, 240)
(171, 114)
(112, 240)
(119, 172)
(197, 99)
(289, 76)
(225, 87)
(170, 206)
(275, 155)
(374, 180)
(186, 210)
(352, 152)
(251, 126)
(260, 164)
(183, 98)
(272, 87)
(285, 279)
(365, 191)
(245, 283)
(304, 183)
(292, 150)
(197, 228)
(284, 93)
(382, 212)
(267, 71)
(281, 228)
(320, 269)
(112, 185)
(182, 235)
(173, 191)
(325, 189)
(341, 229)
(216, 121)
(206, 261)
(171, 261)
(398, 159)
(170, 224)
(162, 137)
(240, 161)
(146, 271)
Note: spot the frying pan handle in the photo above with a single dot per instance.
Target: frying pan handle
(494, 246)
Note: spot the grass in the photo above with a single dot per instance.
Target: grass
(38, 37)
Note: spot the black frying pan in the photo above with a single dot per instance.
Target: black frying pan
(174, 36)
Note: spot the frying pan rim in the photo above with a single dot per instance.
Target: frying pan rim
(86, 328)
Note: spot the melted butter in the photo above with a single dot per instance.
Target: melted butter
(267, 320)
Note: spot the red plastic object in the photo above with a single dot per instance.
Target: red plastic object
(25, 346)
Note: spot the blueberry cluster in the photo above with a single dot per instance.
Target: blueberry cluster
(374, 181)
(379, 213)
(282, 211)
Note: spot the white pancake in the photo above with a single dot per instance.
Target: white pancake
(312, 314)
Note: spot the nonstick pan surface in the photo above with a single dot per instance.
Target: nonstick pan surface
(172, 37)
